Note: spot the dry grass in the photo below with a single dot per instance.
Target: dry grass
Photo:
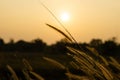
(94, 67)
(13, 74)
(55, 63)
(38, 77)
(97, 69)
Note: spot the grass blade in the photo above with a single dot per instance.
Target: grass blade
(37, 76)
(55, 63)
(66, 36)
(14, 76)
(27, 65)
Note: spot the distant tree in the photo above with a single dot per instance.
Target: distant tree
(8, 47)
(110, 47)
(11, 41)
(21, 46)
(59, 47)
(96, 42)
(1, 42)
(38, 45)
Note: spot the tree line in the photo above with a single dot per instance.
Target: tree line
(36, 45)
(107, 48)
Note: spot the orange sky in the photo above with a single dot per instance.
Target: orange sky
(25, 19)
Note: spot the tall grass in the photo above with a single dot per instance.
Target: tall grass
(94, 69)
(13, 74)
(91, 69)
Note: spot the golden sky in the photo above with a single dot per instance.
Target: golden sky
(25, 19)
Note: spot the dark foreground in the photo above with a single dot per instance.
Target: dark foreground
(36, 61)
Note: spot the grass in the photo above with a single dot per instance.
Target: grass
(78, 64)
(87, 67)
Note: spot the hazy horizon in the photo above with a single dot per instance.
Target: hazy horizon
(25, 19)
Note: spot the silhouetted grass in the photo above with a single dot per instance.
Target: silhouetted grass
(86, 66)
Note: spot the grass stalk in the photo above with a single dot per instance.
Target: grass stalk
(36, 75)
(14, 76)
(55, 63)
(27, 65)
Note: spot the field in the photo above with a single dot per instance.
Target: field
(39, 65)
(76, 64)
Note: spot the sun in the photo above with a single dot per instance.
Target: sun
(65, 17)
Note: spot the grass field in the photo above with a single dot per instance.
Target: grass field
(39, 65)
(76, 64)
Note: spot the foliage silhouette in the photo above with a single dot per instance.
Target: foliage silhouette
(106, 48)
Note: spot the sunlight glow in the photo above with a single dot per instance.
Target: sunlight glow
(65, 17)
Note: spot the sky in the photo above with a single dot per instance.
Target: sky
(88, 19)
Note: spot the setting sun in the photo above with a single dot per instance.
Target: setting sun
(65, 16)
